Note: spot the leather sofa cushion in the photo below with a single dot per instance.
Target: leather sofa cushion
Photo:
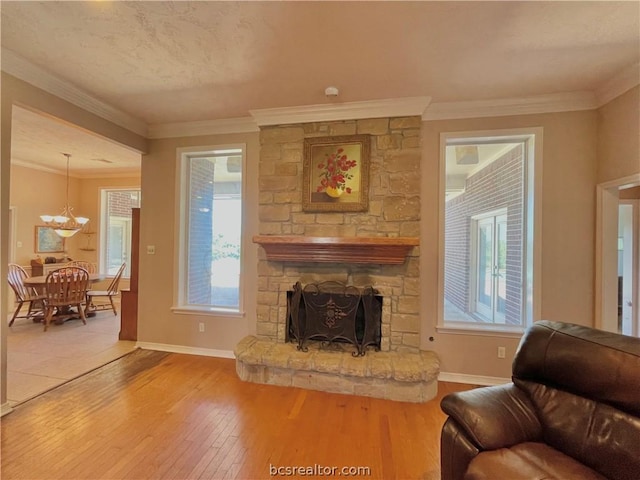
(528, 461)
(598, 435)
(598, 365)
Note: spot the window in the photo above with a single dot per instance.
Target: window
(115, 242)
(210, 232)
(490, 219)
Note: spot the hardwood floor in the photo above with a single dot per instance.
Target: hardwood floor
(154, 415)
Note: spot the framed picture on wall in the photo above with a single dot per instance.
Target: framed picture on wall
(47, 241)
(336, 174)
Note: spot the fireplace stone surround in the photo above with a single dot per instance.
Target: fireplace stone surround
(400, 371)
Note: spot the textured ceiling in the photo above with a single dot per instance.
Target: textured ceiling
(40, 141)
(167, 62)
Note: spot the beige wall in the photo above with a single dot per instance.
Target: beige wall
(568, 215)
(27, 186)
(156, 322)
(619, 137)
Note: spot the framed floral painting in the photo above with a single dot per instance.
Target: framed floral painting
(336, 174)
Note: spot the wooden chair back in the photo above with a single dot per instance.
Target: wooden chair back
(88, 266)
(16, 276)
(115, 282)
(66, 286)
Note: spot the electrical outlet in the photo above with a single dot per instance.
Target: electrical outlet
(201, 326)
(151, 249)
(501, 352)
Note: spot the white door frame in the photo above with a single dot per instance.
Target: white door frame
(606, 300)
(631, 272)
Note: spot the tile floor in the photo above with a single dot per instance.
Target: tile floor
(38, 361)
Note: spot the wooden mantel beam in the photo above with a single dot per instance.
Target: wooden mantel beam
(362, 250)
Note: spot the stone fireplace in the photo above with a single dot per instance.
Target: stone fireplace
(378, 248)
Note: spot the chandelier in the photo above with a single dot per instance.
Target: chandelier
(66, 224)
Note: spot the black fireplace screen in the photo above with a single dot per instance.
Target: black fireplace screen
(334, 312)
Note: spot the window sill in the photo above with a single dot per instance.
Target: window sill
(208, 311)
(481, 330)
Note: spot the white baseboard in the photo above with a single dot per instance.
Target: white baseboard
(472, 379)
(207, 352)
(5, 408)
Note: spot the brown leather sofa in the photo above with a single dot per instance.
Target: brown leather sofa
(572, 412)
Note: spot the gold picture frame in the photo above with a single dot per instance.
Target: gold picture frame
(47, 241)
(336, 174)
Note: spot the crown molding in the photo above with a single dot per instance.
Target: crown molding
(621, 83)
(205, 127)
(21, 68)
(80, 176)
(558, 102)
(392, 107)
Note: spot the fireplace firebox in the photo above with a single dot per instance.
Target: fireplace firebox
(334, 312)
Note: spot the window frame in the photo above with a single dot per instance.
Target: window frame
(101, 237)
(532, 138)
(180, 304)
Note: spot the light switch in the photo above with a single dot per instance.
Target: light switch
(151, 249)
(19, 244)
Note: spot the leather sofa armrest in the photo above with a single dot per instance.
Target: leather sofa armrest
(456, 451)
(494, 417)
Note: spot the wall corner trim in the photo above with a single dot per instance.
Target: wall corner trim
(391, 107)
(206, 352)
(472, 379)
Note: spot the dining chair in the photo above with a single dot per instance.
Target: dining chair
(16, 276)
(88, 266)
(109, 293)
(65, 287)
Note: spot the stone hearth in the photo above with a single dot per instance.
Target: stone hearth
(400, 376)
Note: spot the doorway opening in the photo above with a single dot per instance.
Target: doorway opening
(618, 256)
(38, 361)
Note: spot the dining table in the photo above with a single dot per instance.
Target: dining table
(38, 282)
